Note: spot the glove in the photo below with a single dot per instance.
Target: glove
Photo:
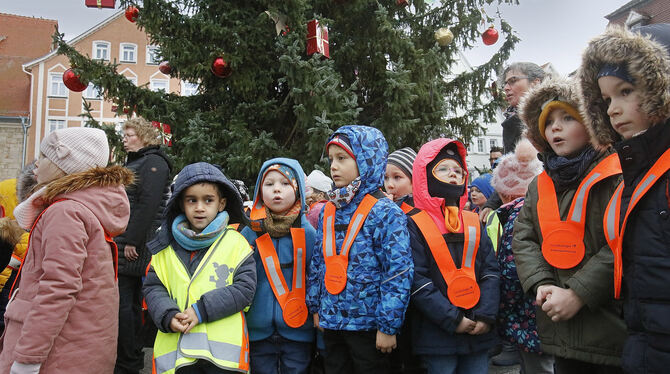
(19, 368)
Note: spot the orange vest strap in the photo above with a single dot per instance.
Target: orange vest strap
(406, 208)
(235, 226)
(613, 232)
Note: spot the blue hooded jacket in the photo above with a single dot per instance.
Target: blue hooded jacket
(265, 315)
(380, 270)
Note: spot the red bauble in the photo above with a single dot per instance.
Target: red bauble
(490, 36)
(132, 13)
(165, 67)
(221, 68)
(73, 82)
(402, 2)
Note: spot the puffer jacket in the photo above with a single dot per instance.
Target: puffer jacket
(434, 317)
(380, 268)
(265, 314)
(147, 196)
(64, 315)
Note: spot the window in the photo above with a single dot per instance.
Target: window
(152, 55)
(493, 143)
(159, 84)
(101, 50)
(480, 145)
(128, 52)
(92, 92)
(56, 85)
(188, 89)
(133, 79)
(56, 124)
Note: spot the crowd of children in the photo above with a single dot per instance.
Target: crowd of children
(379, 268)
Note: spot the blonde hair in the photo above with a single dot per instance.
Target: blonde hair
(145, 131)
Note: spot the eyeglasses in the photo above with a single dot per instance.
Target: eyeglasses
(513, 79)
(126, 136)
(443, 172)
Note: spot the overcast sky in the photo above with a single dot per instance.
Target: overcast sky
(553, 31)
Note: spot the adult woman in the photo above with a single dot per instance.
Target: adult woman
(147, 200)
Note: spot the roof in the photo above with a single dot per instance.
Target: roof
(626, 7)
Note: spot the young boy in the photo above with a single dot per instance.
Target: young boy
(202, 277)
(560, 251)
(480, 191)
(361, 271)
(398, 178)
(625, 80)
(280, 332)
(455, 292)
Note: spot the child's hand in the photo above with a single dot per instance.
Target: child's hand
(175, 323)
(562, 305)
(190, 320)
(480, 328)
(385, 343)
(316, 322)
(465, 326)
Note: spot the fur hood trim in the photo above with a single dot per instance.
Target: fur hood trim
(95, 177)
(532, 102)
(649, 66)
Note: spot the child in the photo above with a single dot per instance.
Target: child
(358, 287)
(398, 178)
(578, 322)
(625, 79)
(517, 311)
(280, 332)
(316, 186)
(202, 277)
(480, 190)
(454, 309)
(63, 315)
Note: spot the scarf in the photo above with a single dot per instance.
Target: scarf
(192, 241)
(509, 112)
(451, 220)
(343, 196)
(26, 213)
(566, 171)
(278, 224)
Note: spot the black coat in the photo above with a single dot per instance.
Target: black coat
(512, 130)
(147, 197)
(646, 255)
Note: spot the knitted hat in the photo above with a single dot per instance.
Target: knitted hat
(483, 184)
(553, 104)
(319, 181)
(343, 142)
(76, 149)
(516, 170)
(403, 159)
(284, 170)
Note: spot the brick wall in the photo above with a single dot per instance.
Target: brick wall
(11, 150)
(658, 10)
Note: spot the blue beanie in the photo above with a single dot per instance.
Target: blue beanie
(483, 183)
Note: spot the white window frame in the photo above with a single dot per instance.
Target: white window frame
(152, 85)
(493, 143)
(480, 145)
(92, 92)
(57, 78)
(122, 52)
(188, 88)
(55, 124)
(108, 49)
(151, 53)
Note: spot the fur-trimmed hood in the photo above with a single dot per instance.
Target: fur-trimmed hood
(532, 102)
(648, 64)
(96, 177)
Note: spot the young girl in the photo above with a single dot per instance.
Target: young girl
(63, 316)
(316, 186)
(361, 271)
(280, 332)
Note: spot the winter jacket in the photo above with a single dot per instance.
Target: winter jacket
(512, 130)
(596, 333)
(147, 197)
(265, 314)
(64, 315)
(380, 267)
(10, 237)
(8, 200)
(435, 318)
(314, 212)
(14, 263)
(217, 303)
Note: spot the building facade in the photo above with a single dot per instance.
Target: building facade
(640, 13)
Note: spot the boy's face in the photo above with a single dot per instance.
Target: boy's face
(623, 106)
(477, 197)
(201, 203)
(396, 182)
(277, 192)
(343, 168)
(449, 171)
(565, 135)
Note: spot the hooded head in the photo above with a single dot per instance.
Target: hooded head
(292, 171)
(625, 53)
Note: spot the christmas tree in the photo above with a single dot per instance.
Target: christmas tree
(385, 69)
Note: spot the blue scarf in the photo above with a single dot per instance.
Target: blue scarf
(189, 240)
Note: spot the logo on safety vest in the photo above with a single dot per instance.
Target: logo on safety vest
(223, 273)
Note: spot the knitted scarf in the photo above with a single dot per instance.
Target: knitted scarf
(192, 241)
(343, 196)
(566, 171)
(278, 225)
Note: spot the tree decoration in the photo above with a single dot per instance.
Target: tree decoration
(73, 82)
(317, 39)
(132, 13)
(221, 68)
(490, 36)
(165, 68)
(100, 4)
(402, 3)
(165, 132)
(444, 36)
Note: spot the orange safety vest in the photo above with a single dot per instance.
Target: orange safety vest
(613, 231)
(406, 208)
(294, 309)
(563, 241)
(336, 264)
(462, 288)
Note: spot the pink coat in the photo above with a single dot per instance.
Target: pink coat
(65, 313)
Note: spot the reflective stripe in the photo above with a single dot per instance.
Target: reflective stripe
(581, 195)
(612, 210)
(358, 221)
(472, 238)
(299, 268)
(642, 186)
(330, 241)
(269, 262)
(165, 362)
(14, 263)
(219, 350)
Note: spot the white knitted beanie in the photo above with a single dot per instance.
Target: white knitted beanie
(516, 170)
(76, 149)
(319, 181)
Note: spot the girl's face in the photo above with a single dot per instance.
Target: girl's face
(449, 171)
(623, 106)
(565, 135)
(477, 197)
(343, 167)
(46, 171)
(277, 192)
(396, 182)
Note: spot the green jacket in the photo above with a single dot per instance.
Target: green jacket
(597, 332)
